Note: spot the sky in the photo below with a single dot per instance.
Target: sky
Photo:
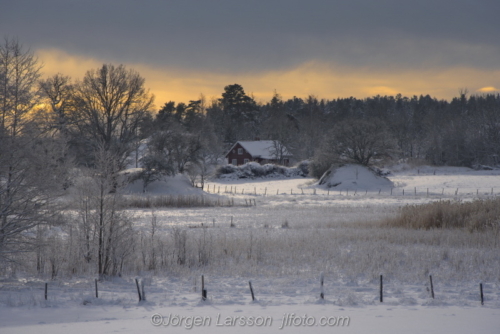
(325, 48)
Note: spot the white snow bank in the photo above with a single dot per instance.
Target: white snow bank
(354, 177)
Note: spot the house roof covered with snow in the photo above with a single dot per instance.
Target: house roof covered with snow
(263, 149)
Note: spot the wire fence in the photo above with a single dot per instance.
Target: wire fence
(396, 191)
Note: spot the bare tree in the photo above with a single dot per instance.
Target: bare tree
(19, 73)
(279, 151)
(168, 152)
(360, 140)
(104, 231)
(30, 171)
(58, 92)
(183, 147)
(111, 102)
(200, 170)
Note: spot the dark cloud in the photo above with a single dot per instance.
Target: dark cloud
(232, 35)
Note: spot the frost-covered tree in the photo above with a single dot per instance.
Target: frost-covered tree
(104, 232)
(31, 169)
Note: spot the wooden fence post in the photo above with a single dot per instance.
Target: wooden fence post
(143, 293)
(203, 290)
(481, 291)
(381, 289)
(432, 287)
(322, 280)
(46, 288)
(138, 289)
(251, 290)
(96, 291)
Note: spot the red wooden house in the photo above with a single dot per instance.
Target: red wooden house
(261, 151)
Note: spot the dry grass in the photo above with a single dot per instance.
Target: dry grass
(475, 216)
(174, 201)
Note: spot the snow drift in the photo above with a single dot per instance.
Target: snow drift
(354, 177)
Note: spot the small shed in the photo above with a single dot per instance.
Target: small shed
(261, 151)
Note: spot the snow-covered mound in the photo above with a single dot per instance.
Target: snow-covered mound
(254, 170)
(355, 177)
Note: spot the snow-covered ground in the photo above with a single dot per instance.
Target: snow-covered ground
(333, 230)
(349, 308)
(72, 307)
(411, 186)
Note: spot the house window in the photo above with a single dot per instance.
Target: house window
(235, 162)
(245, 161)
(240, 151)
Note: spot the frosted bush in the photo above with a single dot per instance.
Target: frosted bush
(252, 170)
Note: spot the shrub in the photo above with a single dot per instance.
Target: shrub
(174, 201)
(303, 167)
(254, 170)
(476, 215)
(320, 164)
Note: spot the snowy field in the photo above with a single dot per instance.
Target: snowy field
(281, 234)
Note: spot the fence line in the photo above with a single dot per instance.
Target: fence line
(138, 285)
(395, 191)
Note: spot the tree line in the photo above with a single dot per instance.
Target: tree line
(59, 134)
